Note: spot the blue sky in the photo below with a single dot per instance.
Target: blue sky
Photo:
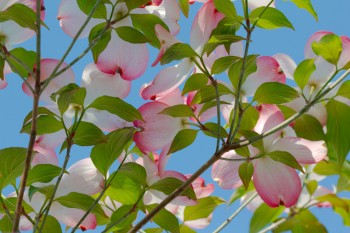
(333, 16)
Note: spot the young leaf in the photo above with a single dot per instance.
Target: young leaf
(27, 57)
(102, 38)
(223, 63)
(263, 216)
(124, 217)
(43, 173)
(12, 164)
(124, 190)
(41, 111)
(104, 155)
(131, 35)
(185, 7)
(286, 158)
(45, 125)
(180, 110)
(208, 93)
(303, 72)
(329, 47)
(165, 219)
(344, 89)
(249, 134)
(134, 171)
(245, 172)
(88, 134)
(202, 209)
(87, 6)
(51, 225)
(217, 40)
(307, 5)
(135, 3)
(70, 94)
(195, 82)
(211, 130)
(269, 18)
(176, 52)
(275, 93)
(226, 7)
(183, 139)
(21, 14)
(117, 107)
(170, 184)
(234, 71)
(309, 127)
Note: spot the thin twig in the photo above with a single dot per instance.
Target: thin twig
(36, 95)
(274, 225)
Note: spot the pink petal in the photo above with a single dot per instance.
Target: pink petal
(276, 183)
(324, 71)
(286, 63)
(172, 98)
(3, 83)
(305, 151)
(98, 84)
(47, 66)
(268, 70)
(225, 173)
(71, 19)
(317, 36)
(44, 156)
(269, 117)
(51, 141)
(236, 49)
(85, 174)
(129, 60)
(71, 216)
(200, 188)
(199, 223)
(253, 4)
(166, 40)
(166, 80)
(205, 21)
(345, 55)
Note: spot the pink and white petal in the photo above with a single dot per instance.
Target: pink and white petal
(172, 98)
(225, 173)
(151, 167)
(305, 151)
(14, 34)
(44, 156)
(205, 21)
(47, 67)
(129, 60)
(166, 80)
(163, 159)
(199, 223)
(51, 141)
(236, 49)
(276, 183)
(3, 83)
(286, 63)
(71, 19)
(71, 216)
(98, 84)
(4, 4)
(85, 174)
(324, 71)
(200, 188)
(104, 120)
(253, 204)
(24, 223)
(345, 55)
(268, 70)
(316, 37)
(253, 4)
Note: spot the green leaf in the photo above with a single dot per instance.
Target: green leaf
(176, 52)
(124, 217)
(327, 168)
(104, 155)
(249, 119)
(204, 207)
(234, 72)
(45, 125)
(245, 172)
(51, 225)
(309, 127)
(131, 35)
(124, 190)
(146, 23)
(180, 110)
(134, 171)
(228, 26)
(2, 66)
(223, 63)
(286, 158)
(88, 134)
(275, 93)
(208, 93)
(12, 164)
(303, 72)
(102, 37)
(5, 224)
(83, 202)
(209, 105)
(211, 130)
(165, 219)
(344, 89)
(170, 184)
(269, 18)
(334, 200)
(250, 134)
(185, 7)
(307, 5)
(263, 216)
(117, 107)
(27, 57)
(217, 40)
(135, 3)
(226, 7)
(329, 47)
(154, 230)
(311, 186)
(302, 222)
(41, 111)
(183, 139)
(69, 94)
(87, 6)
(337, 136)
(21, 14)
(344, 214)
(240, 192)
(195, 82)
(43, 173)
